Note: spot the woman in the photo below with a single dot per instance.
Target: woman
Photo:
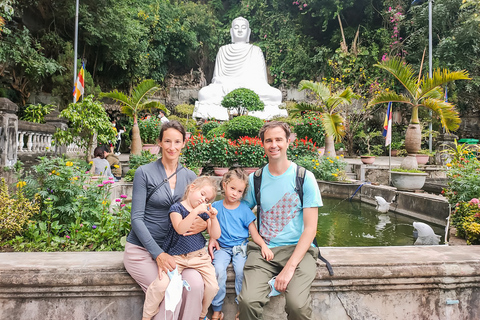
(100, 166)
(156, 187)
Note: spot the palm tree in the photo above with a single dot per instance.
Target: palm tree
(138, 101)
(328, 108)
(420, 92)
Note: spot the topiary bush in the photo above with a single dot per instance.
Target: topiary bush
(209, 125)
(217, 132)
(243, 100)
(243, 126)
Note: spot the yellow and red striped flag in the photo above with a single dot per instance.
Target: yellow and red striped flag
(78, 89)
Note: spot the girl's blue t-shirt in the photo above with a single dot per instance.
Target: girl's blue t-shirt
(233, 223)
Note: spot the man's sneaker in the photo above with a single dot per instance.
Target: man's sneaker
(117, 153)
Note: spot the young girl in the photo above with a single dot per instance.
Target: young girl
(236, 219)
(188, 251)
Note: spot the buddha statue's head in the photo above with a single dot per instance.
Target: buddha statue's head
(240, 31)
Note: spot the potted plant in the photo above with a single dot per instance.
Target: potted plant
(367, 137)
(242, 100)
(250, 153)
(419, 92)
(149, 132)
(196, 153)
(408, 179)
(423, 156)
(221, 153)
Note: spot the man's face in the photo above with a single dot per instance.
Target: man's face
(240, 30)
(275, 144)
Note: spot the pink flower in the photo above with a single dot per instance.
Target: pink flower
(475, 201)
(123, 196)
(265, 36)
(81, 224)
(100, 185)
(68, 237)
(122, 205)
(110, 178)
(304, 5)
(118, 200)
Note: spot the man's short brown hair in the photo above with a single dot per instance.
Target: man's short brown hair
(274, 124)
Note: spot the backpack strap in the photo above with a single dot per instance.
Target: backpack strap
(299, 182)
(257, 183)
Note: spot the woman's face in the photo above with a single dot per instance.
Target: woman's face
(172, 144)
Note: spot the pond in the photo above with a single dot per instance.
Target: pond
(342, 223)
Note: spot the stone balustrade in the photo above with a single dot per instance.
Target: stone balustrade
(388, 283)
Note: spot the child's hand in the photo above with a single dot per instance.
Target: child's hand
(267, 253)
(212, 212)
(201, 208)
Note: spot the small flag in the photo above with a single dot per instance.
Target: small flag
(387, 125)
(78, 88)
(446, 94)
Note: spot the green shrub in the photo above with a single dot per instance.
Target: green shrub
(137, 161)
(222, 152)
(464, 180)
(37, 112)
(242, 100)
(150, 129)
(196, 153)
(466, 219)
(185, 110)
(324, 168)
(249, 152)
(15, 211)
(243, 126)
(311, 127)
(209, 125)
(217, 132)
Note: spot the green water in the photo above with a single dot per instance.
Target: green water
(342, 223)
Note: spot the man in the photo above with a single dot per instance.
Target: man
(288, 228)
(114, 163)
(162, 117)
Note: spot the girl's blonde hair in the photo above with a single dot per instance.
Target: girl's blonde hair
(236, 173)
(199, 183)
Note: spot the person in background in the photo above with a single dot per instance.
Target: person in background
(118, 131)
(100, 166)
(114, 163)
(162, 117)
(156, 187)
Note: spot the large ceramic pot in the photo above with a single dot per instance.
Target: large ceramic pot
(153, 148)
(219, 171)
(422, 158)
(367, 159)
(413, 138)
(408, 181)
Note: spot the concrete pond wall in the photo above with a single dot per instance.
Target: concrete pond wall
(431, 282)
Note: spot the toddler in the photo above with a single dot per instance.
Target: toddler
(236, 219)
(188, 251)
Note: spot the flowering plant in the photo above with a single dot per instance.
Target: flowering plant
(250, 152)
(222, 152)
(466, 218)
(150, 129)
(196, 152)
(464, 179)
(311, 126)
(302, 148)
(325, 168)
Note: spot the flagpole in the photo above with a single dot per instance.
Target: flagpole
(75, 48)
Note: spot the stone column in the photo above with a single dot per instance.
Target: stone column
(54, 119)
(8, 132)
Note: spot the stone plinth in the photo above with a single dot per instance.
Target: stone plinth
(428, 282)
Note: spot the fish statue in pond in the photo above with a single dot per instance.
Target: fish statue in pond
(382, 204)
(426, 236)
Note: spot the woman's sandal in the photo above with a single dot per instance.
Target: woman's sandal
(237, 316)
(220, 317)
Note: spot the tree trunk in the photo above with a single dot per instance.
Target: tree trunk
(136, 148)
(330, 147)
(413, 138)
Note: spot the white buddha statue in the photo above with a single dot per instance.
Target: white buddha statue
(238, 65)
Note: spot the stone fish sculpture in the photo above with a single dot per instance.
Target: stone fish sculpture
(238, 65)
(426, 236)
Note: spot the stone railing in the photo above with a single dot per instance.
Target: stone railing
(415, 283)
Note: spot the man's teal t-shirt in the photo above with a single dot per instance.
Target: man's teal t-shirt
(281, 214)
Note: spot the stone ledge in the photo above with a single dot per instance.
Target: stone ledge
(369, 283)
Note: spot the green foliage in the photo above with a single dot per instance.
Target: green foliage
(150, 129)
(190, 125)
(222, 152)
(301, 148)
(185, 110)
(86, 119)
(243, 126)
(209, 125)
(138, 160)
(464, 180)
(324, 168)
(15, 210)
(242, 100)
(218, 131)
(310, 126)
(407, 170)
(37, 112)
(466, 219)
(249, 152)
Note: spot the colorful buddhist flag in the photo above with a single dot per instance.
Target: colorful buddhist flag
(387, 125)
(78, 89)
